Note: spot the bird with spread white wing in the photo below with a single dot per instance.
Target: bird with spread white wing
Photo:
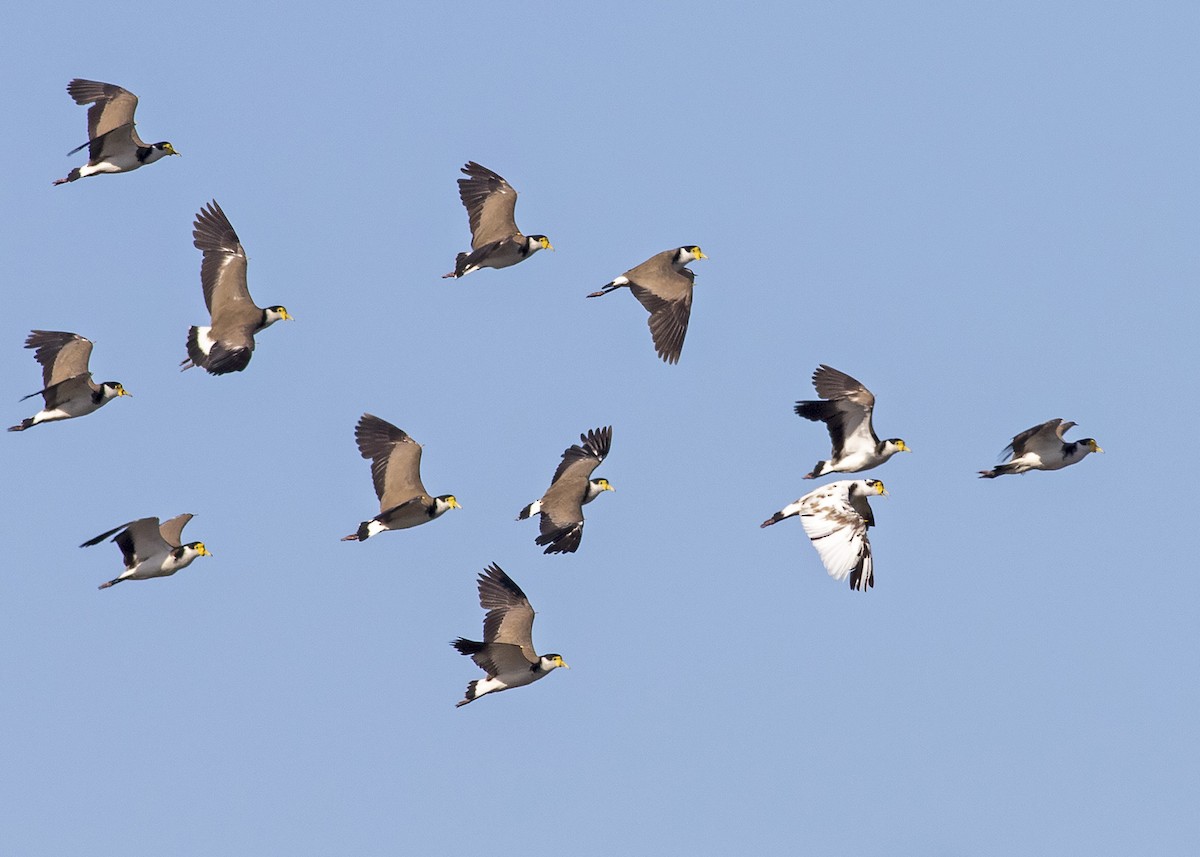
(228, 343)
(836, 517)
(846, 407)
(113, 145)
(396, 471)
(572, 488)
(506, 654)
(663, 285)
(67, 386)
(491, 205)
(151, 550)
(1042, 448)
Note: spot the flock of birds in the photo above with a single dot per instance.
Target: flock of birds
(835, 516)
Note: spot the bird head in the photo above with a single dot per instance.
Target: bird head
(899, 444)
(1090, 443)
(450, 501)
(874, 486)
(114, 389)
(276, 313)
(197, 548)
(553, 661)
(539, 242)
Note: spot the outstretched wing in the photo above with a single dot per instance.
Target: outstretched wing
(395, 460)
(112, 107)
(491, 204)
(63, 355)
(510, 617)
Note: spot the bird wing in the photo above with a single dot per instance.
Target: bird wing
(137, 540)
(510, 617)
(96, 540)
(395, 460)
(837, 531)
(172, 530)
(141, 540)
(502, 659)
(1049, 432)
(112, 107)
(666, 294)
(63, 355)
(491, 204)
(833, 384)
(850, 425)
(223, 271)
(72, 389)
(595, 447)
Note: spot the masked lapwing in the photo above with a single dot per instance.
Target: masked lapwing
(572, 487)
(226, 345)
(1042, 448)
(151, 549)
(506, 653)
(396, 471)
(836, 517)
(663, 285)
(846, 407)
(68, 388)
(113, 145)
(496, 242)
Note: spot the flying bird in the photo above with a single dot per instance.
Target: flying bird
(226, 345)
(836, 517)
(845, 408)
(68, 388)
(496, 242)
(663, 285)
(113, 144)
(396, 471)
(1042, 448)
(151, 550)
(572, 487)
(506, 653)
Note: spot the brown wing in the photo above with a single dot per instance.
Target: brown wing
(491, 204)
(1021, 443)
(596, 444)
(172, 530)
(833, 384)
(668, 316)
(510, 617)
(223, 271)
(112, 107)
(62, 355)
(395, 460)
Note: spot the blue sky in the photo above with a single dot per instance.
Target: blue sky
(985, 212)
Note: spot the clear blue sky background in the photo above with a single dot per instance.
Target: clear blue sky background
(986, 212)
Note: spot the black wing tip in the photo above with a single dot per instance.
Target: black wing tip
(562, 540)
(467, 647)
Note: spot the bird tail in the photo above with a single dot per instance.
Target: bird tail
(23, 424)
(530, 510)
(361, 535)
(112, 582)
(71, 176)
(817, 470)
(610, 286)
(196, 355)
(999, 470)
(470, 696)
(460, 267)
